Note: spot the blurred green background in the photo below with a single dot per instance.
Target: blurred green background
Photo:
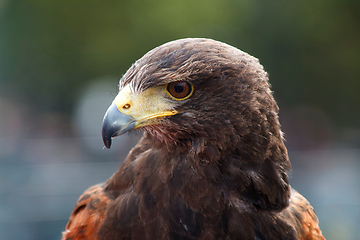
(60, 62)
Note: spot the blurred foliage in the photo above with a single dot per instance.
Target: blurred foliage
(50, 50)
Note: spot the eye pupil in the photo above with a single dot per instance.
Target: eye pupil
(179, 90)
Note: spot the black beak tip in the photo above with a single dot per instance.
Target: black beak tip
(106, 137)
(107, 142)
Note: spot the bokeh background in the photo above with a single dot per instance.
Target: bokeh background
(60, 62)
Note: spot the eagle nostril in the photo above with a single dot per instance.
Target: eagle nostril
(126, 106)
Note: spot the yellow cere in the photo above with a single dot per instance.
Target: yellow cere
(144, 106)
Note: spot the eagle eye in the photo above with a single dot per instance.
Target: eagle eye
(179, 90)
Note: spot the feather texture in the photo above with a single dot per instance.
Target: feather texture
(216, 170)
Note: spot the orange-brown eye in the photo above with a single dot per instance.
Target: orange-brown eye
(179, 90)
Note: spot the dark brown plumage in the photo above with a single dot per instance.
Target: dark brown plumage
(212, 163)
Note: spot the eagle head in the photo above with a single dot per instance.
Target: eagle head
(211, 100)
(197, 91)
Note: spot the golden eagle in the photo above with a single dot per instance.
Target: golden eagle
(211, 164)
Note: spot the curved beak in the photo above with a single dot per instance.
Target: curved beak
(115, 123)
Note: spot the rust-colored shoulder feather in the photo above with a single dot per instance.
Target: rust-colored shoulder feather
(87, 216)
(304, 218)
